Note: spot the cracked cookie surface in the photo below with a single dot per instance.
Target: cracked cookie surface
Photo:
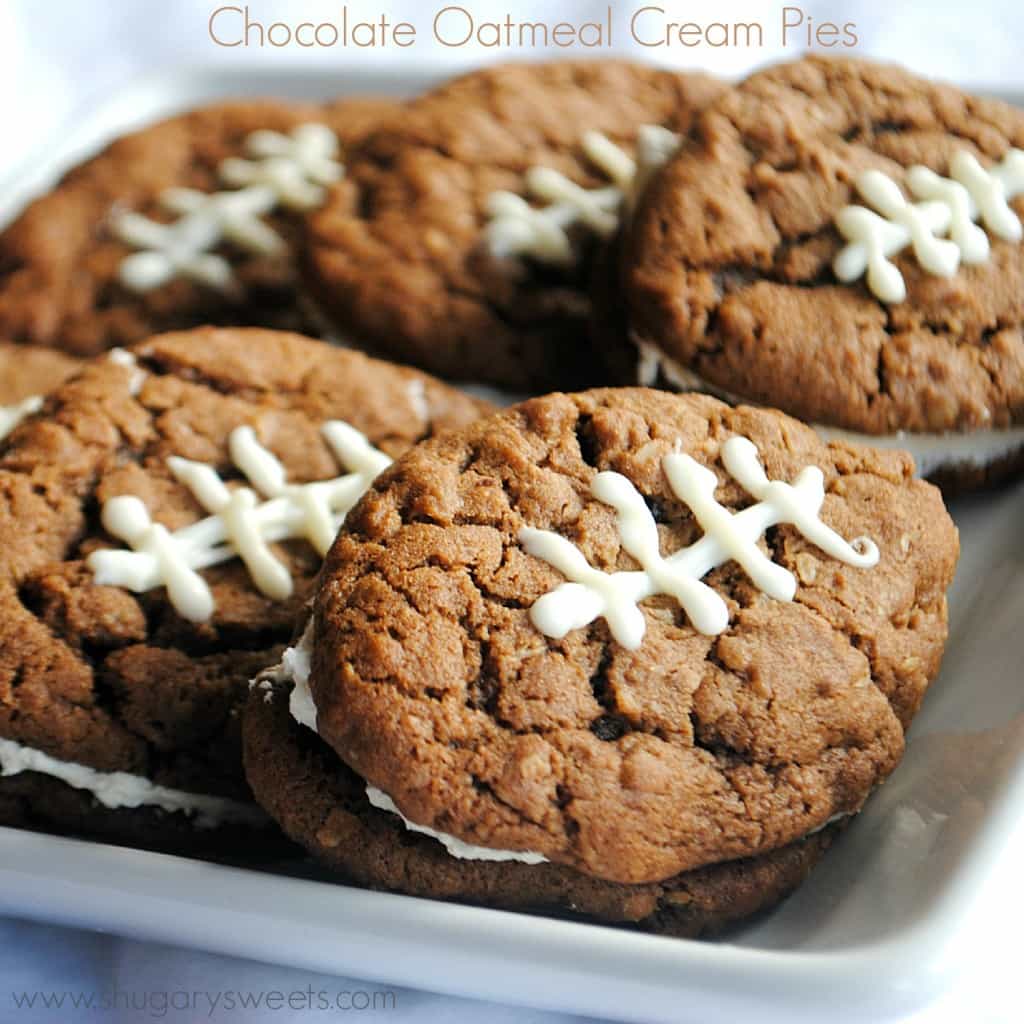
(432, 683)
(728, 265)
(59, 262)
(118, 681)
(397, 256)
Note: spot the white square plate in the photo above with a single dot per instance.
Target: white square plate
(878, 931)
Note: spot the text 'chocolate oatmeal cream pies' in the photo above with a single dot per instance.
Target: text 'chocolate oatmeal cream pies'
(623, 653)
(190, 221)
(843, 241)
(162, 518)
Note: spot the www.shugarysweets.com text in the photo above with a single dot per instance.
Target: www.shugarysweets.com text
(664, 26)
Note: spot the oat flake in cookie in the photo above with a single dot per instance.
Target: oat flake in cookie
(221, 454)
(460, 238)
(187, 222)
(580, 764)
(842, 240)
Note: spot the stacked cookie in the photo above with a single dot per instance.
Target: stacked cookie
(609, 653)
(614, 651)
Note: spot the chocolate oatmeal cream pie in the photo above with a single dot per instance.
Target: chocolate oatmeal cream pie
(161, 522)
(627, 654)
(26, 374)
(460, 239)
(843, 241)
(190, 221)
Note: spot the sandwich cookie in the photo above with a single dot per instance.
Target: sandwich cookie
(460, 239)
(358, 833)
(626, 653)
(162, 520)
(843, 241)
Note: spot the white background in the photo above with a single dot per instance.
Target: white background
(56, 56)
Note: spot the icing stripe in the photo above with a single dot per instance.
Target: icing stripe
(590, 593)
(240, 525)
(945, 207)
(516, 228)
(285, 170)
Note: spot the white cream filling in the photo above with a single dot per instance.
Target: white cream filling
(651, 362)
(296, 663)
(976, 448)
(455, 846)
(931, 452)
(830, 821)
(124, 790)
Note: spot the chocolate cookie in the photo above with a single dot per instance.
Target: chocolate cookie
(187, 222)
(460, 237)
(26, 374)
(620, 635)
(842, 240)
(322, 804)
(161, 523)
